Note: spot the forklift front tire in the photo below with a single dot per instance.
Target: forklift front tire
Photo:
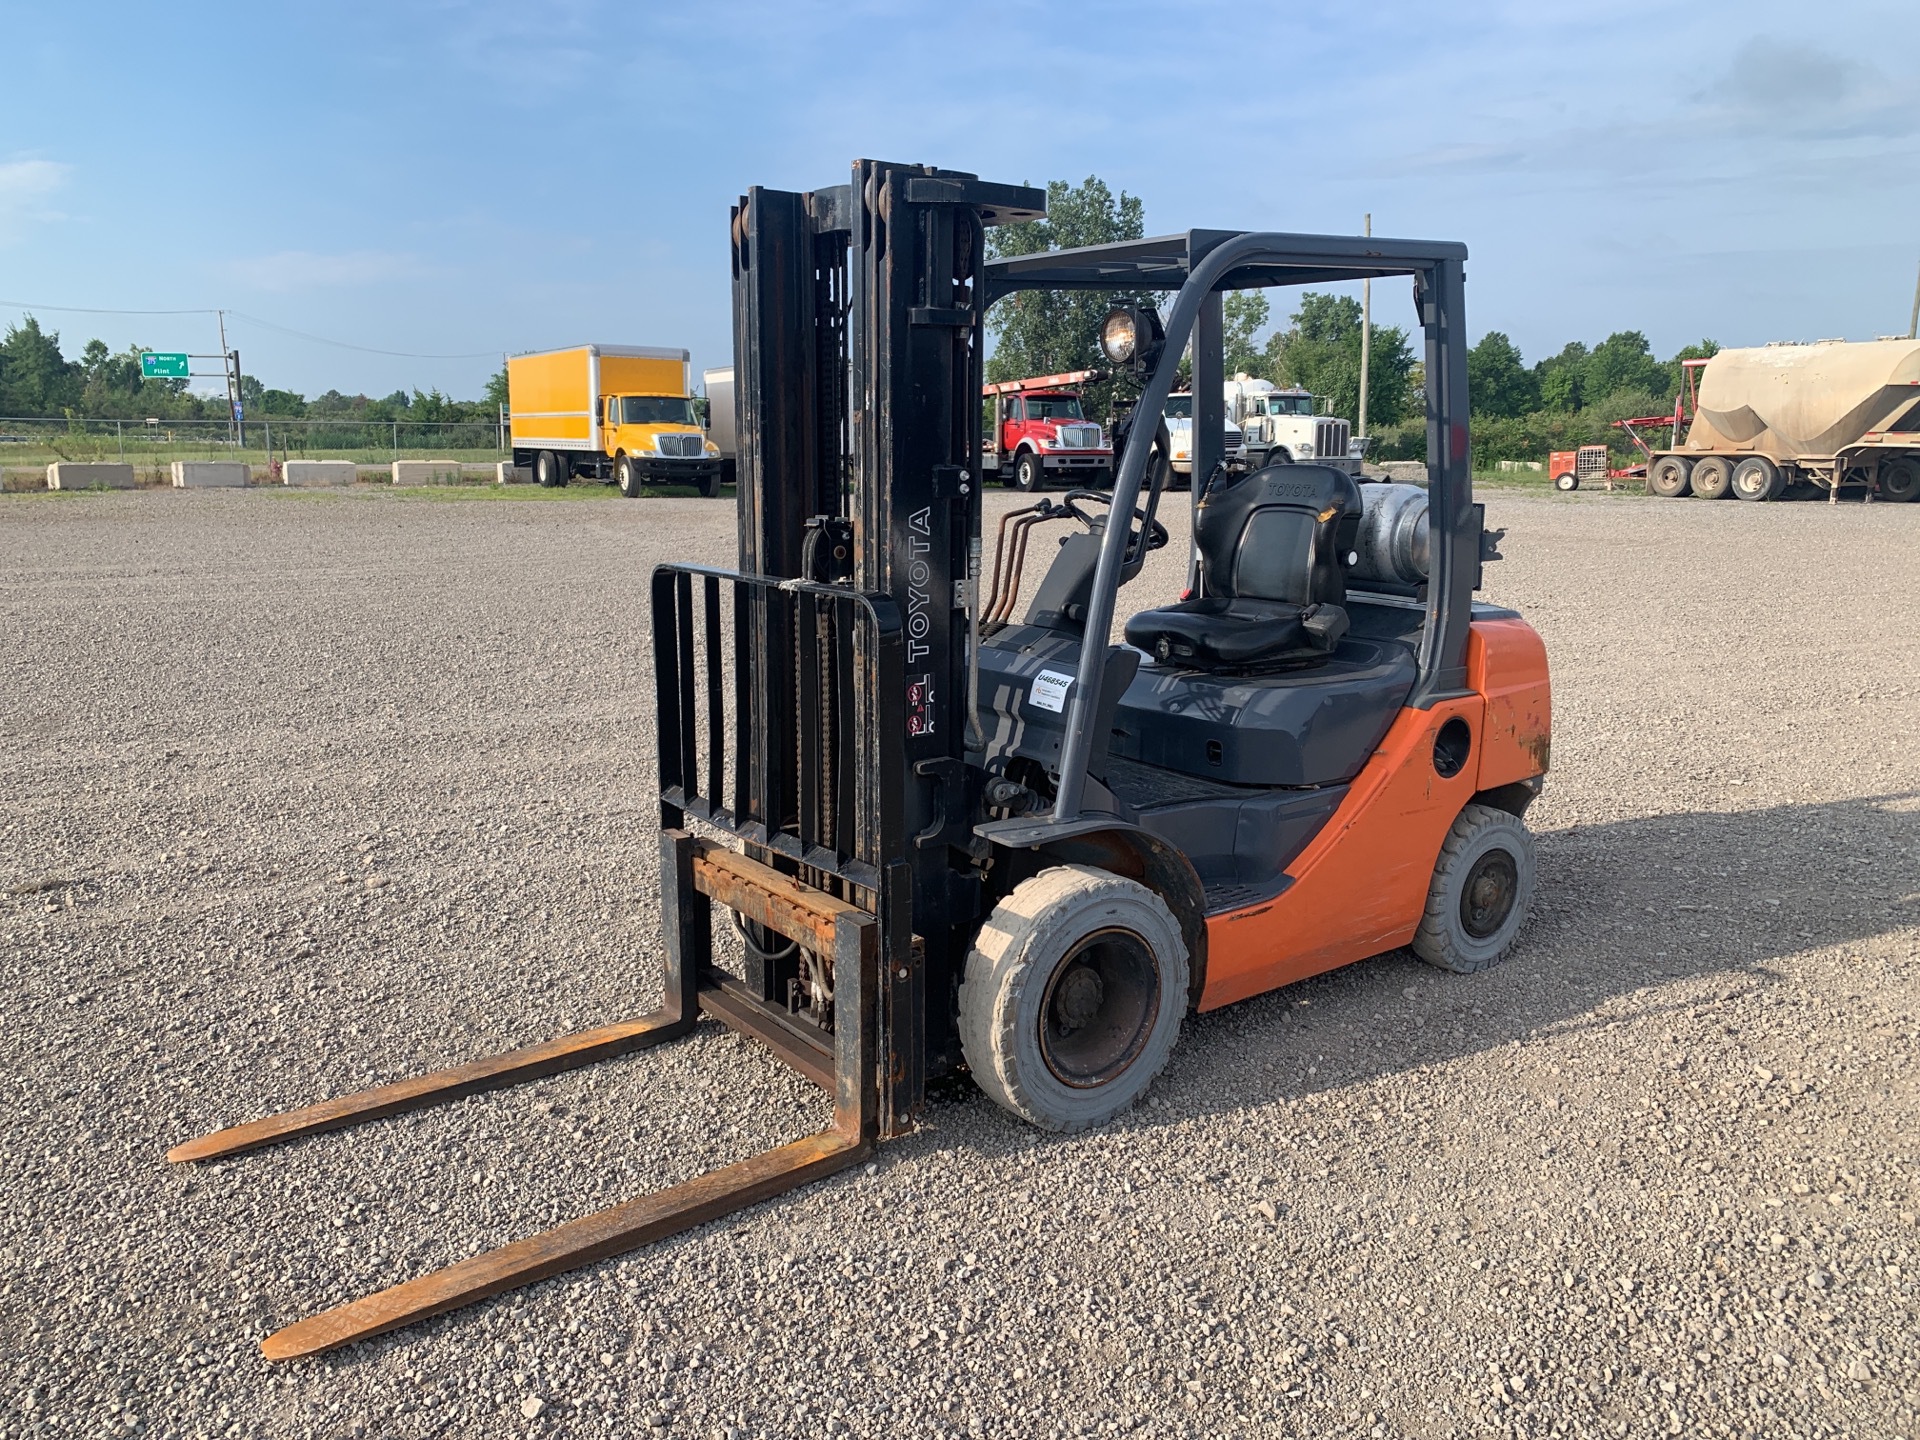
(1073, 996)
(1028, 472)
(1482, 885)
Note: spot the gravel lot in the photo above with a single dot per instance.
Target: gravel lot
(306, 792)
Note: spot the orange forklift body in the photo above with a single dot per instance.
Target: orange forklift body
(1360, 887)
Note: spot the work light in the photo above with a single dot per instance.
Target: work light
(1131, 336)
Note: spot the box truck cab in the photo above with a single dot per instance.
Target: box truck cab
(610, 412)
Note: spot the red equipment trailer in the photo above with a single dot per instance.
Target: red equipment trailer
(1571, 469)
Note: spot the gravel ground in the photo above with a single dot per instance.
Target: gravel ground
(305, 792)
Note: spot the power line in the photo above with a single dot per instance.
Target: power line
(255, 320)
(83, 310)
(364, 349)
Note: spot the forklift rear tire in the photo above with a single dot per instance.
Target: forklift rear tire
(1028, 472)
(628, 474)
(1073, 996)
(1482, 885)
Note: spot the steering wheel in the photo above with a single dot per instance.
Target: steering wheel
(1157, 535)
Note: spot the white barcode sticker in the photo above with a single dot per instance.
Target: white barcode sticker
(1049, 690)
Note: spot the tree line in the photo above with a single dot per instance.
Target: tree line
(37, 381)
(1519, 412)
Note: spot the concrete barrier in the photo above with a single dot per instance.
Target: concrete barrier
(210, 474)
(1406, 472)
(426, 472)
(319, 472)
(508, 473)
(68, 475)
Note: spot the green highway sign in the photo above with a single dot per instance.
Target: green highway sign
(162, 365)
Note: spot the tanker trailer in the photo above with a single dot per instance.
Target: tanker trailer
(1829, 414)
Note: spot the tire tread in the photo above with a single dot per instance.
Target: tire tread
(1432, 942)
(989, 1031)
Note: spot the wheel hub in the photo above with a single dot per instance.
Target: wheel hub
(1099, 1008)
(1077, 1000)
(1487, 897)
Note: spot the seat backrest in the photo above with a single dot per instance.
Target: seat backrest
(1282, 533)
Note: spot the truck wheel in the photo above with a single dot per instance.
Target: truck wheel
(710, 483)
(1758, 478)
(1028, 472)
(1712, 477)
(1567, 480)
(1669, 475)
(628, 474)
(1482, 884)
(1900, 481)
(548, 470)
(1074, 993)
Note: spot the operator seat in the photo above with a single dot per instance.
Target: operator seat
(1273, 548)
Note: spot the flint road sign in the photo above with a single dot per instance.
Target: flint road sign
(162, 365)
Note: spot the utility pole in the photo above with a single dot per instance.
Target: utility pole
(1366, 334)
(230, 363)
(1913, 325)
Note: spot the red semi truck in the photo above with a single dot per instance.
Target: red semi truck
(1040, 433)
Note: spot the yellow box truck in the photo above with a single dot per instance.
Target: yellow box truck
(611, 412)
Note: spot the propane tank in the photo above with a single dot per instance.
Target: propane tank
(1392, 546)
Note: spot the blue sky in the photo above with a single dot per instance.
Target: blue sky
(463, 179)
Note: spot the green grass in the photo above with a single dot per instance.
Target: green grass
(1530, 482)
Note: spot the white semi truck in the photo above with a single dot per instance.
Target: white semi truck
(1179, 416)
(1280, 427)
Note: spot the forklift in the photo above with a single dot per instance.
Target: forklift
(953, 840)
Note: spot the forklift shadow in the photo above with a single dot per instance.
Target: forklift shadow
(1627, 906)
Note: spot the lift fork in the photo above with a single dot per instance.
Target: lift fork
(694, 873)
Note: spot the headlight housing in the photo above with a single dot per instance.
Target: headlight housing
(1131, 335)
(1305, 447)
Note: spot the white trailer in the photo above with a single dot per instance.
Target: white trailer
(722, 423)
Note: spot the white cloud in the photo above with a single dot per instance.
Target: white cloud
(26, 186)
(308, 270)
